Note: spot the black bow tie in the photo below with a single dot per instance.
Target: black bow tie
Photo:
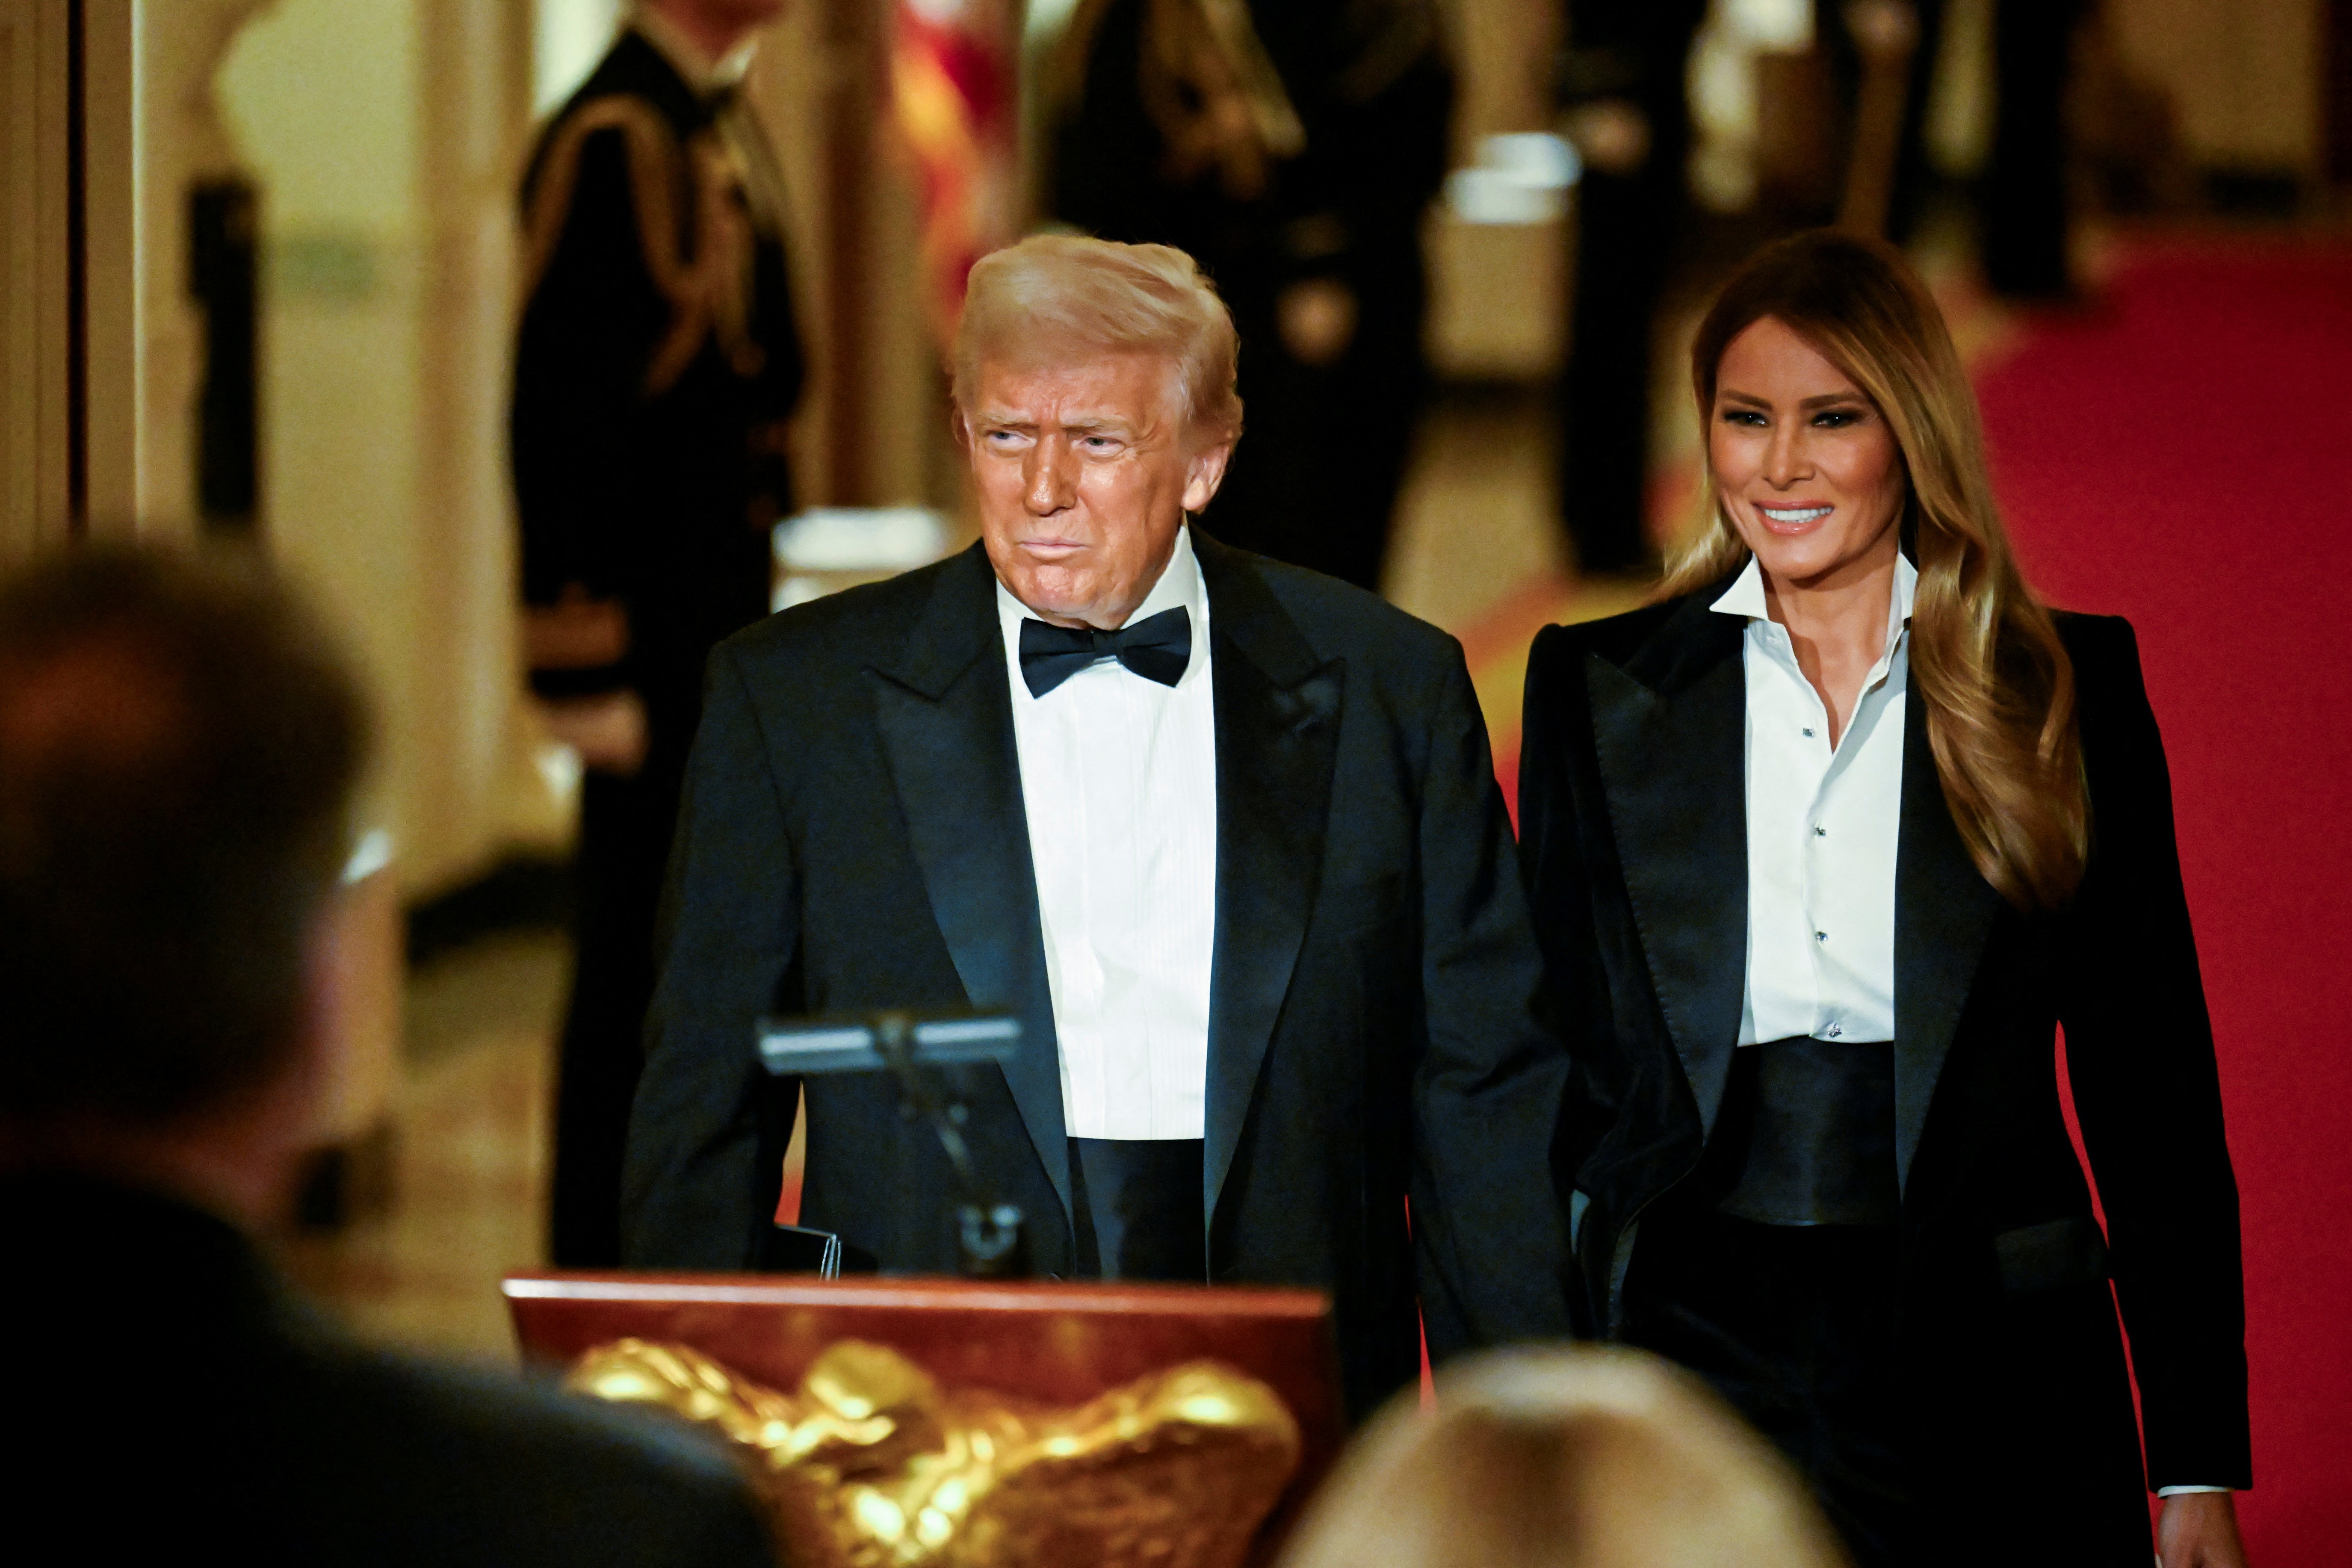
(1157, 648)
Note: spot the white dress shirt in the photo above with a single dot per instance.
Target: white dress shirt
(1118, 780)
(1821, 830)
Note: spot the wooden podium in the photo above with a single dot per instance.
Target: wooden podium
(1053, 1342)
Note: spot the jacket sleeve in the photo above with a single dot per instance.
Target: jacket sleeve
(1487, 1228)
(1575, 998)
(589, 325)
(708, 1133)
(2139, 1054)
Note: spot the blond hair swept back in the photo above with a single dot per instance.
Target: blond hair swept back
(1996, 683)
(1056, 298)
(1577, 1457)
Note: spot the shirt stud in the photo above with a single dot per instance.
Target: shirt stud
(1819, 832)
(1809, 734)
(1820, 936)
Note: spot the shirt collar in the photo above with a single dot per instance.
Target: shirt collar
(1180, 584)
(703, 74)
(1745, 597)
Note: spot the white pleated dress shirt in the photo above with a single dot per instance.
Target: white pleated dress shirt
(1823, 825)
(1118, 780)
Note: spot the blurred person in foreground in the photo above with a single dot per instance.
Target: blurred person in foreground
(1292, 149)
(1562, 1459)
(1223, 832)
(656, 368)
(177, 750)
(1826, 846)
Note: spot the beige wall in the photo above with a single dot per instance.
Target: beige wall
(2244, 75)
(181, 140)
(384, 134)
(32, 329)
(35, 416)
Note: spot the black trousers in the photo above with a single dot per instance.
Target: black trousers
(1316, 480)
(626, 825)
(1627, 226)
(1795, 1327)
(2023, 206)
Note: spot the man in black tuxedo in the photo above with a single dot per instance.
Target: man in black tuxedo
(176, 759)
(1225, 833)
(655, 369)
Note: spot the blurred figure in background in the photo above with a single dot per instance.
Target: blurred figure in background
(1904, 38)
(178, 751)
(656, 367)
(2021, 198)
(1582, 1459)
(1621, 87)
(1292, 150)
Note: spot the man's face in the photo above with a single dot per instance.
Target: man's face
(1085, 476)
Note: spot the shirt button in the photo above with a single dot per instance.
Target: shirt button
(1833, 1031)
(1820, 936)
(1819, 831)
(1809, 734)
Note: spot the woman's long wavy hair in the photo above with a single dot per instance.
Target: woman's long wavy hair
(1996, 682)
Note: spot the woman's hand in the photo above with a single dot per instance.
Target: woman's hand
(2200, 1530)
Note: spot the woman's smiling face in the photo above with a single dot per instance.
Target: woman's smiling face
(1808, 470)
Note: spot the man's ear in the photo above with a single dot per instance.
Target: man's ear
(957, 428)
(1203, 472)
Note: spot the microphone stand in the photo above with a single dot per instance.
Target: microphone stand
(991, 1235)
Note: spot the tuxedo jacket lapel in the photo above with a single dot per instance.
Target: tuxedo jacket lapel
(1277, 741)
(944, 710)
(1670, 732)
(1944, 911)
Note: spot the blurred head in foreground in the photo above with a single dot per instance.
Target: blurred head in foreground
(177, 750)
(1579, 1458)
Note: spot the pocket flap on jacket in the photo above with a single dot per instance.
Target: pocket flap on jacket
(2056, 1253)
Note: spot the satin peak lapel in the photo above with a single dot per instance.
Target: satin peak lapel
(1944, 911)
(1670, 732)
(1277, 741)
(945, 714)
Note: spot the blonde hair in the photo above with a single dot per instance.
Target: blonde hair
(1054, 296)
(1590, 1457)
(1996, 683)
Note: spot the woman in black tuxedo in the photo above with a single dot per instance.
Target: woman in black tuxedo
(1825, 845)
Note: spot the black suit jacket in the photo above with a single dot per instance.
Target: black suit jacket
(176, 1401)
(853, 838)
(1634, 836)
(648, 419)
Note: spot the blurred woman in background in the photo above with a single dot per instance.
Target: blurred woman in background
(1824, 845)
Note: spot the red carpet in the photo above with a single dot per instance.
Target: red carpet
(2184, 458)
